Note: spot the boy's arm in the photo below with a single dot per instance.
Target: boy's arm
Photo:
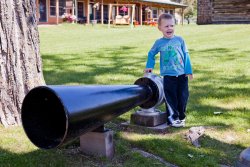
(188, 66)
(151, 59)
(187, 62)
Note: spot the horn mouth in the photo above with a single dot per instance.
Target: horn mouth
(44, 118)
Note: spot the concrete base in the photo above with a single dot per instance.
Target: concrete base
(149, 119)
(160, 128)
(98, 143)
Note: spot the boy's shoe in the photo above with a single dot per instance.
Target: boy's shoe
(183, 122)
(178, 123)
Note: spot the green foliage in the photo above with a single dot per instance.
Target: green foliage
(191, 9)
(76, 54)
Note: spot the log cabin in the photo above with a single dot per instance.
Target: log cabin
(223, 12)
(104, 11)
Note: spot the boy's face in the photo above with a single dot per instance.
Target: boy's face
(167, 27)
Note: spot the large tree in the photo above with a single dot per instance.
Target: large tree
(20, 61)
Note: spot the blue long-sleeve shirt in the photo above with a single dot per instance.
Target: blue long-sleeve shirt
(174, 56)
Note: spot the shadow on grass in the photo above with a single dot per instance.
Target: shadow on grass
(35, 158)
(62, 69)
(211, 153)
(70, 157)
(213, 87)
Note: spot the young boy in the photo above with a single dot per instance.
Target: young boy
(175, 67)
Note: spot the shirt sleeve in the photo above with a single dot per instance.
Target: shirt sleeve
(188, 66)
(187, 61)
(151, 56)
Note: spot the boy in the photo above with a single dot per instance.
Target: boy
(175, 67)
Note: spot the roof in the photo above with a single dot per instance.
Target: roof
(167, 2)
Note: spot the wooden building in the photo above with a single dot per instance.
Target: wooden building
(104, 11)
(223, 11)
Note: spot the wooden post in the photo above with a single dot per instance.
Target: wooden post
(151, 13)
(57, 11)
(182, 15)
(133, 15)
(141, 14)
(117, 9)
(73, 7)
(110, 9)
(87, 11)
(102, 12)
(76, 10)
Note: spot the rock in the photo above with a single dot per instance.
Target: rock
(217, 113)
(194, 134)
(149, 155)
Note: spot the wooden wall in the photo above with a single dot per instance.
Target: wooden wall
(204, 12)
(223, 11)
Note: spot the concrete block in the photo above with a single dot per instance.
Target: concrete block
(160, 128)
(98, 143)
(149, 119)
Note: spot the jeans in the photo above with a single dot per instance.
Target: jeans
(176, 95)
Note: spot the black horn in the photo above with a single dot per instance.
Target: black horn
(54, 115)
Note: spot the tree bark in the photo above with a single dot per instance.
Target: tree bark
(20, 61)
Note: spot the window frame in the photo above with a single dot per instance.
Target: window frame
(153, 14)
(53, 6)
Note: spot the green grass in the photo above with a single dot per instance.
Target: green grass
(77, 54)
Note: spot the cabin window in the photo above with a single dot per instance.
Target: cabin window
(52, 7)
(98, 14)
(80, 8)
(62, 6)
(105, 12)
(155, 13)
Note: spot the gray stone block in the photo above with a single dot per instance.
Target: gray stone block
(98, 144)
(149, 119)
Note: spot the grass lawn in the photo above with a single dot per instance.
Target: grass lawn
(76, 54)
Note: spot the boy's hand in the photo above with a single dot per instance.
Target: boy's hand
(190, 76)
(148, 70)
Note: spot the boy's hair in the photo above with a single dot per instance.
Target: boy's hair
(164, 16)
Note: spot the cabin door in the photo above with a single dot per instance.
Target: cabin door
(80, 9)
(43, 10)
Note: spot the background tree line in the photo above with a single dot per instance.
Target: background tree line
(189, 12)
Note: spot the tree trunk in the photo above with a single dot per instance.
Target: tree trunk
(20, 61)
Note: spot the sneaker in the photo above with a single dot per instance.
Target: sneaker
(183, 122)
(177, 124)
